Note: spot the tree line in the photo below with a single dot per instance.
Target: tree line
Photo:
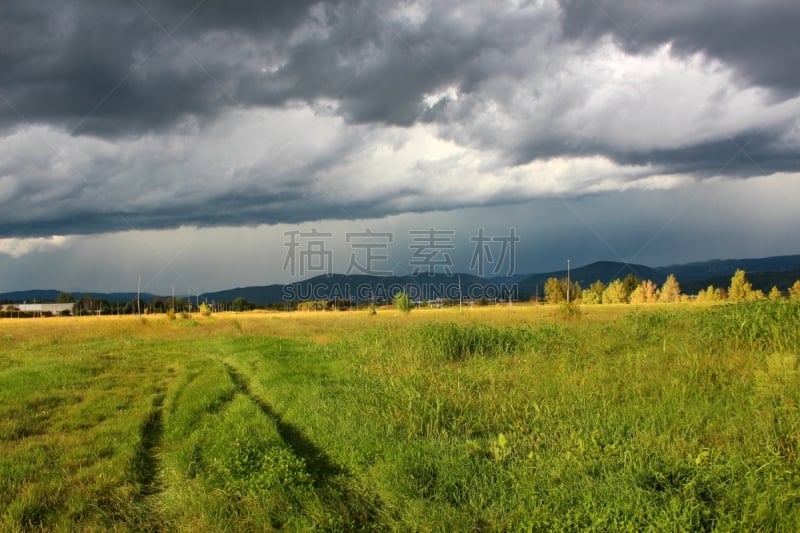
(631, 289)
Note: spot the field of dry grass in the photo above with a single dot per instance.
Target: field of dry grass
(494, 418)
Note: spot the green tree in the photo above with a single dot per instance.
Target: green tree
(671, 290)
(65, 298)
(159, 305)
(103, 306)
(240, 304)
(554, 291)
(629, 284)
(615, 293)
(84, 306)
(740, 289)
(575, 291)
(402, 302)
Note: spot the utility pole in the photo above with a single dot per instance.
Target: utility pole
(568, 282)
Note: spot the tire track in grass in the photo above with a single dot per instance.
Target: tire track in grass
(192, 375)
(320, 465)
(144, 464)
(334, 482)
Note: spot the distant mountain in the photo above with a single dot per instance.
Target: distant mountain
(781, 271)
(360, 288)
(718, 268)
(759, 280)
(424, 287)
(50, 295)
(260, 295)
(30, 296)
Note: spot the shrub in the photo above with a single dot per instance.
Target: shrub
(570, 310)
(402, 302)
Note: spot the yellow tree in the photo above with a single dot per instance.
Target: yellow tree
(651, 292)
(756, 294)
(554, 291)
(794, 290)
(645, 293)
(615, 293)
(594, 293)
(713, 294)
(637, 296)
(740, 289)
(775, 294)
(671, 290)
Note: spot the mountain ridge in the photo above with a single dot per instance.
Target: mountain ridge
(763, 273)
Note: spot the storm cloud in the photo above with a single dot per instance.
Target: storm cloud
(141, 114)
(758, 40)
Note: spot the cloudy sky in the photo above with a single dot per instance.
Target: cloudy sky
(193, 141)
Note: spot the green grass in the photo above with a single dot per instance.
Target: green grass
(660, 418)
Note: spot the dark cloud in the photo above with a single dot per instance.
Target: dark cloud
(247, 207)
(130, 105)
(751, 154)
(119, 68)
(126, 67)
(757, 38)
(754, 154)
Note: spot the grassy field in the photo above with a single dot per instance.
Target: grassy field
(489, 419)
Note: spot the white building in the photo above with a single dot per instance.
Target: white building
(44, 309)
